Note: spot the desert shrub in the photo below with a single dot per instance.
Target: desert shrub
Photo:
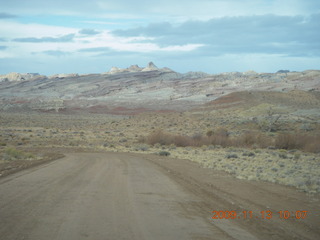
(298, 141)
(247, 139)
(220, 137)
(253, 139)
(312, 144)
(159, 137)
(210, 133)
(162, 138)
(283, 155)
(157, 145)
(220, 140)
(297, 156)
(182, 141)
(164, 153)
(11, 154)
(249, 154)
(172, 147)
(142, 147)
(197, 137)
(222, 132)
(232, 155)
(287, 141)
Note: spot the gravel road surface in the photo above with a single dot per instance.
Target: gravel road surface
(103, 196)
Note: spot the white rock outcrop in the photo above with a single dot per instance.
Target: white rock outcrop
(135, 68)
(17, 77)
(115, 70)
(151, 67)
(64, 75)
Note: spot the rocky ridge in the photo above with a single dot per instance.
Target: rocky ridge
(17, 77)
(135, 68)
(136, 87)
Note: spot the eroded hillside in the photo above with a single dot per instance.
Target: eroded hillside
(143, 89)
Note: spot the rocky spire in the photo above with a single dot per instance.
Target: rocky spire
(151, 67)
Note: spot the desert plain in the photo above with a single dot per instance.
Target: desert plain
(240, 141)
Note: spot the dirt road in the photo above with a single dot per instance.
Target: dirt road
(103, 196)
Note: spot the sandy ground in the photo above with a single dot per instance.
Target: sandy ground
(131, 196)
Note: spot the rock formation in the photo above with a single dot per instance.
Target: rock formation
(64, 75)
(135, 68)
(137, 87)
(151, 67)
(17, 77)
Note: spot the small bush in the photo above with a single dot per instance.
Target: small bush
(232, 155)
(297, 156)
(251, 154)
(248, 154)
(11, 154)
(287, 141)
(159, 137)
(298, 141)
(312, 144)
(221, 138)
(157, 145)
(253, 139)
(164, 153)
(183, 141)
(210, 133)
(142, 147)
(283, 155)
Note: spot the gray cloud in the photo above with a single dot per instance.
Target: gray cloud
(269, 34)
(97, 49)
(4, 15)
(164, 9)
(65, 38)
(89, 32)
(232, 34)
(56, 53)
(105, 52)
(147, 10)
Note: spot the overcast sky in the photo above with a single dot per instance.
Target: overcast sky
(67, 36)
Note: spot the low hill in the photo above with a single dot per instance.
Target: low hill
(245, 99)
(145, 88)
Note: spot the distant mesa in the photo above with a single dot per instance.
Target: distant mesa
(150, 67)
(135, 68)
(114, 70)
(18, 77)
(64, 75)
(250, 72)
(283, 71)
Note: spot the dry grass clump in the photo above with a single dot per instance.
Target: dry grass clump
(11, 154)
(251, 139)
(298, 141)
(163, 138)
(220, 137)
